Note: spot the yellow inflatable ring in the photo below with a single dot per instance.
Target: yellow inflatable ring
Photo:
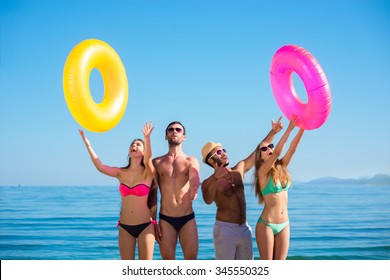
(84, 57)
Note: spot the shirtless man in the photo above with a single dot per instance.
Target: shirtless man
(232, 234)
(177, 175)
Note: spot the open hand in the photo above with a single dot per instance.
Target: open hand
(278, 126)
(148, 128)
(293, 122)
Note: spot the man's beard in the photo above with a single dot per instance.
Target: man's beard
(219, 162)
(172, 142)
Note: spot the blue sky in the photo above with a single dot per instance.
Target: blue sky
(204, 63)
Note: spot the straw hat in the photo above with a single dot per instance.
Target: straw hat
(208, 148)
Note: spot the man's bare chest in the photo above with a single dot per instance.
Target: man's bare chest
(172, 168)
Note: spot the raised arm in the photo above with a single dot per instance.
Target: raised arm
(266, 166)
(249, 162)
(147, 131)
(293, 147)
(276, 127)
(155, 162)
(107, 170)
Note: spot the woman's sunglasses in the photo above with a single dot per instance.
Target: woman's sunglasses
(264, 149)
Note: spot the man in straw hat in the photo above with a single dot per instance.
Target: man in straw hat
(232, 234)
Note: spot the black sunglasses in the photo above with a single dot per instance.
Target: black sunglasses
(177, 129)
(264, 149)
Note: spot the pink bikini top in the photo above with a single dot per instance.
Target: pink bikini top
(137, 190)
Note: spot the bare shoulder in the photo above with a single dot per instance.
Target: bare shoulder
(193, 161)
(205, 183)
(207, 180)
(157, 160)
(122, 173)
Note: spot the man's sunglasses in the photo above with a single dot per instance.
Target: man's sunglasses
(177, 129)
(218, 152)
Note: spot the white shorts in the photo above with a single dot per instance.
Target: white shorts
(232, 241)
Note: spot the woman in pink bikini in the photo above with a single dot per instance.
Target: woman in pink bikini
(137, 220)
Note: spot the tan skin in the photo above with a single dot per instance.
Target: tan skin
(275, 205)
(218, 188)
(135, 209)
(177, 175)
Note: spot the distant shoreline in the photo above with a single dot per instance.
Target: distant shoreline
(377, 180)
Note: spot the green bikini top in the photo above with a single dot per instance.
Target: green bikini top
(271, 188)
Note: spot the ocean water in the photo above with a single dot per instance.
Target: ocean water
(328, 222)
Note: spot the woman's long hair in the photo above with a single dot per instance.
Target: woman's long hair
(129, 158)
(278, 173)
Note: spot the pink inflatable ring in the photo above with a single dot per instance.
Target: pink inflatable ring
(289, 59)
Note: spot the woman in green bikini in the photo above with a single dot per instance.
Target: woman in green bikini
(272, 181)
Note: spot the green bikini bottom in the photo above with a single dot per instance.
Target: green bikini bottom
(276, 228)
